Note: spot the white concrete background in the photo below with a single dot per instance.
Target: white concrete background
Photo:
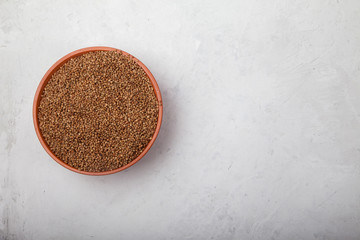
(261, 132)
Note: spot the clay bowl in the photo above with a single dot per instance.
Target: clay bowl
(47, 77)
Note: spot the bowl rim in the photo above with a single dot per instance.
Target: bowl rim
(47, 77)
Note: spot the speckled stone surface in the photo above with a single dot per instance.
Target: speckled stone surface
(261, 130)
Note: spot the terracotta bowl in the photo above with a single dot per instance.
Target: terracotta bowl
(47, 77)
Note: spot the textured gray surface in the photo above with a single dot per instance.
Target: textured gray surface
(261, 130)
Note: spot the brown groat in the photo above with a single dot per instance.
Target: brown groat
(98, 111)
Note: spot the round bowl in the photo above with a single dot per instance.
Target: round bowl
(47, 77)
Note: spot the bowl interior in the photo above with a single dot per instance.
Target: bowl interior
(47, 77)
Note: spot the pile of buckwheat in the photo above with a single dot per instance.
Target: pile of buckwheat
(98, 111)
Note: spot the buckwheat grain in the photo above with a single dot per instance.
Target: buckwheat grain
(98, 111)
